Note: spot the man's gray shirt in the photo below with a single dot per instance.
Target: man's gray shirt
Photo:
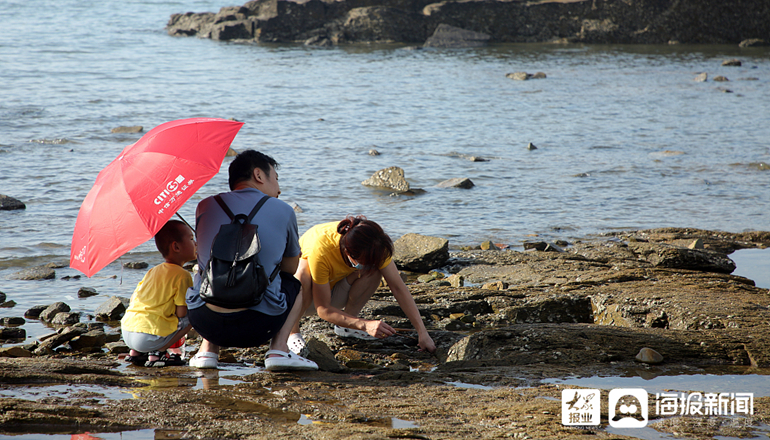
(278, 234)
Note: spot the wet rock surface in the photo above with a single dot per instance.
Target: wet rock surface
(609, 305)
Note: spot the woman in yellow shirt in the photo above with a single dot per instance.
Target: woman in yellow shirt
(342, 265)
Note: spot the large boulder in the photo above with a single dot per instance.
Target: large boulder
(420, 253)
(112, 309)
(9, 203)
(34, 273)
(52, 310)
(390, 178)
(677, 257)
(446, 36)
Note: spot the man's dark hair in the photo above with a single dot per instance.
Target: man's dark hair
(172, 231)
(242, 167)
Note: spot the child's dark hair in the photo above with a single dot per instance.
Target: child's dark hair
(172, 231)
(242, 167)
(365, 241)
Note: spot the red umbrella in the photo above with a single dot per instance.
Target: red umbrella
(139, 191)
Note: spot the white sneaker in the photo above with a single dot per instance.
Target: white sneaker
(204, 359)
(345, 332)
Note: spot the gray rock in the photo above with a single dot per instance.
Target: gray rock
(542, 246)
(34, 273)
(489, 245)
(467, 157)
(85, 292)
(518, 76)
(66, 318)
(296, 207)
(8, 203)
(190, 23)
(12, 321)
(531, 146)
(50, 312)
(136, 265)
(126, 129)
(420, 253)
(649, 356)
(117, 347)
(113, 336)
(34, 312)
(112, 309)
(446, 36)
(732, 62)
(456, 280)
(665, 255)
(374, 152)
(523, 76)
(15, 352)
(2, 297)
(721, 78)
(321, 354)
(12, 333)
(702, 77)
(88, 340)
(457, 182)
(391, 178)
(46, 347)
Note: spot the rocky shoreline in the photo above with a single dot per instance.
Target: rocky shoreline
(475, 23)
(503, 321)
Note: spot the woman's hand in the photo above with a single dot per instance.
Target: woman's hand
(426, 343)
(379, 329)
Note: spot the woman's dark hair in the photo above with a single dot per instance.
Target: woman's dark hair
(365, 241)
(242, 167)
(172, 231)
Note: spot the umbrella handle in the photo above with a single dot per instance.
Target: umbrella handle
(185, 221)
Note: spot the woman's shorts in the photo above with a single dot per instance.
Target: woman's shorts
(247, 328)
(145, 342)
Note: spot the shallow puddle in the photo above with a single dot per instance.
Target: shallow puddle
(713, 380)
(753, 264)
(470, 385)
(97, 394)
(141, 434)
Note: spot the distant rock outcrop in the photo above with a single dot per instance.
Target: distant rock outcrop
(471, 23)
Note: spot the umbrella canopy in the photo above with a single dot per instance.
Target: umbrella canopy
(139, 191)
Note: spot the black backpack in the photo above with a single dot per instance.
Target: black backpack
(233, 277)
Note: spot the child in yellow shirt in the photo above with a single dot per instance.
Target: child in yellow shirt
(156, 318)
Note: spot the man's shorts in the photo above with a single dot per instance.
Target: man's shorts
(145, 342)
(247, 328)
(340, 294)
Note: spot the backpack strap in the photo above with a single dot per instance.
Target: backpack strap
(251, 216)
(222, 203)
(230, 214)
(256, 208)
